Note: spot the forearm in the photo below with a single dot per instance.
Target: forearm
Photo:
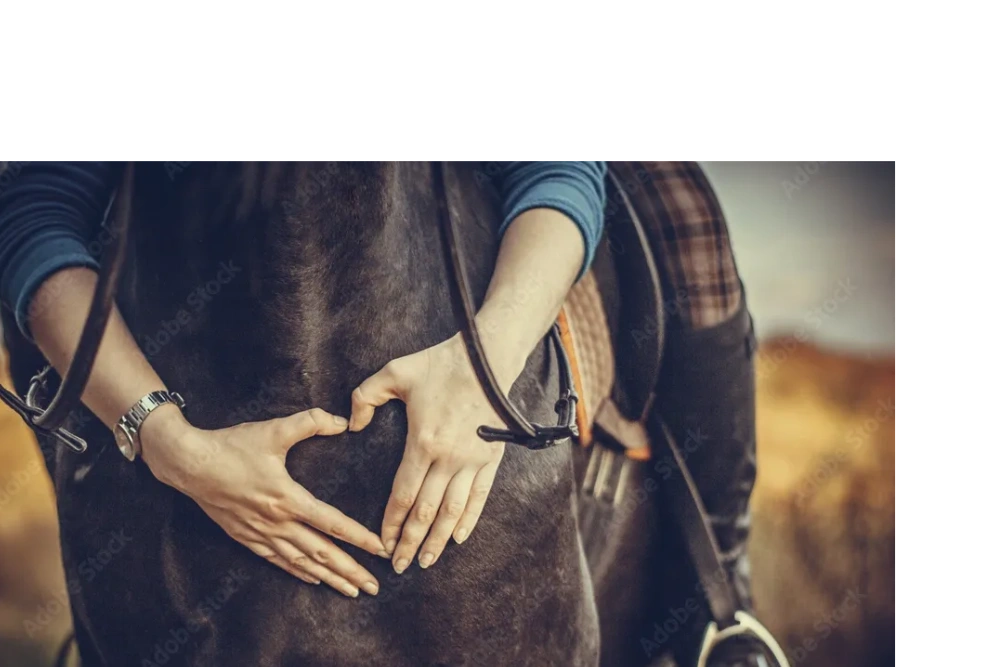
(540, 257)
(121, 374)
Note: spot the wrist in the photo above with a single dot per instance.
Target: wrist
(163, 429)
(163, 421)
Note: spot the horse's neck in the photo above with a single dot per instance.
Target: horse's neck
(331, 270)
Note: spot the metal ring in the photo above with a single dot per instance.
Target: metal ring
(39, 382)
(746, 625)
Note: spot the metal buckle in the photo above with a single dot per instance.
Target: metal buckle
(545, 436)
(607, 474)
(746, 625)
(38, 384)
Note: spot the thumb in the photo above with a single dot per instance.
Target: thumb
(293, 429)
(377, 390)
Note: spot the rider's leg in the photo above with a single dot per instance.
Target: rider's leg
(708, 380)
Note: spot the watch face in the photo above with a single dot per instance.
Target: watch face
(124, 441)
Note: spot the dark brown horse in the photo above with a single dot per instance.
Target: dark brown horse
(264, 290)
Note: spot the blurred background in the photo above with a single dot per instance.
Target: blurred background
(815, 245)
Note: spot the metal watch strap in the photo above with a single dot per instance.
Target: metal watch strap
(137, 414)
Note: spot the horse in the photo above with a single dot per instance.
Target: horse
(261, 290)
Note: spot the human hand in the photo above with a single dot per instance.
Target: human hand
(237, 476)
(447, 470)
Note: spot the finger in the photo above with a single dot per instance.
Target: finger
(377, 390)
(272, 556)
(329, 556)
(477, 499)
(328, 519)
(452, 509)
(295, 428)
(405, 487)
(294, 555)
(421, 516)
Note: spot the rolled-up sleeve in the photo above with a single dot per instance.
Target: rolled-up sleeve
(575, 189)
(49, 213)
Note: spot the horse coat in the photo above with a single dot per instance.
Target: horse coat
(258, 291)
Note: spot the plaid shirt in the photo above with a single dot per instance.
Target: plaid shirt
(691, 239)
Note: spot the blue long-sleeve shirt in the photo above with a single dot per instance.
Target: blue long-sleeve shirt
(50, 214)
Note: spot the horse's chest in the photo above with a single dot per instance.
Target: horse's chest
(283, 278)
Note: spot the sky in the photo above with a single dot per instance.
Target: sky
(815, 245)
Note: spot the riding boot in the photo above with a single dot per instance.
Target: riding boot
(706, 398)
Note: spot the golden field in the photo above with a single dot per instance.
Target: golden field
(823, 542)
(34, 615)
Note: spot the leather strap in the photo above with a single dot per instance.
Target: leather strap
(582, 409)
(630, 435)
(642, 320)
(689, 511)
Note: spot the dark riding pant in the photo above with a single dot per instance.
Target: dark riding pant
(706, 395)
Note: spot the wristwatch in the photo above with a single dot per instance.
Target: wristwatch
(127, 428)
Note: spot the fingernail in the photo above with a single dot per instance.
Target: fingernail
(461, 535)
(371, 588)
(384, 554)
(400, 565)
(426, 560)
(390, 546)
(339, 421)
(316, 582)
(351, 590)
